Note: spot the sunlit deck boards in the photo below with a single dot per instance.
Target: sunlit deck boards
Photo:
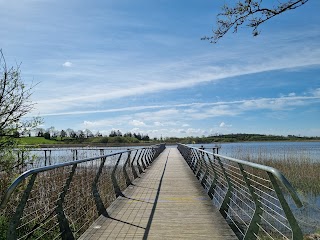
(167, 202)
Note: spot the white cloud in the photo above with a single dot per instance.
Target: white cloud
(67, 64)
(137, 123)
(224, 125)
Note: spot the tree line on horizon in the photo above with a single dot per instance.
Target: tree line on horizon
(52, 133)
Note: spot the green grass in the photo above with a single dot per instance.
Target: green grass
(89, 141)
(37, 140)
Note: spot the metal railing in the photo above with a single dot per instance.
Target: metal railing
(29, 158)
(248, 195)
(61, 201)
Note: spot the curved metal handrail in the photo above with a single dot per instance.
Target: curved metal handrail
(243, 196)
(284, 181)
(27, 173)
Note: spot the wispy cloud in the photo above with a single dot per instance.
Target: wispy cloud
(177, 118)
(212, 109)
(181, 75)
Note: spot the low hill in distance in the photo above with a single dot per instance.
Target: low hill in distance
(120, 140)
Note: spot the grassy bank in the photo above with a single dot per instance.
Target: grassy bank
(76, 142)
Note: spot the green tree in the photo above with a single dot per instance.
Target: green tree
(63, 134)
(251, 13)
(47, 135)
(15, 104)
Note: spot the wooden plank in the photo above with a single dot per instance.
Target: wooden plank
(167, 202)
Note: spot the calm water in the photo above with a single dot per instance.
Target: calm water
(41, 157)
(277, 150)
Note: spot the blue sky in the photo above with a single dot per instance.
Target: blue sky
(140, 66)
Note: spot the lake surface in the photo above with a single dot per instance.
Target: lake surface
(277, 150)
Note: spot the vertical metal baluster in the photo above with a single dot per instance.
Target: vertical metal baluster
(134, 172)
(124, 169)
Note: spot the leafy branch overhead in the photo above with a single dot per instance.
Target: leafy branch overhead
(251, 13)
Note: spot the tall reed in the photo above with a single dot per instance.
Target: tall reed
(298, 166)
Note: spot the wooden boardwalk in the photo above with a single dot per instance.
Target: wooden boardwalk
(167, 202)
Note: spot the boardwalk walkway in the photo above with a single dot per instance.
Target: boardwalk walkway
(167, 202)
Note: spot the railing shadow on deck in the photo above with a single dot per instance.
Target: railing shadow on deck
(248, 195)
(63, 200)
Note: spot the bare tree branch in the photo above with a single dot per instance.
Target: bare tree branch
(250, 13)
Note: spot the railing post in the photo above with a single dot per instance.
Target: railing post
(214, 180)
(117, 189)
(194, 161)
(152, 154)
(134, 172)
(253, 228)
(141, 159)
(65, 230)
(296, 231)
(149, 157)
(138, 164)
(16, 219)
(199, 166)
(186, 153)
(226, 201)
(145, 158)
(95, 192)
(124, 168)
(205, 175)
